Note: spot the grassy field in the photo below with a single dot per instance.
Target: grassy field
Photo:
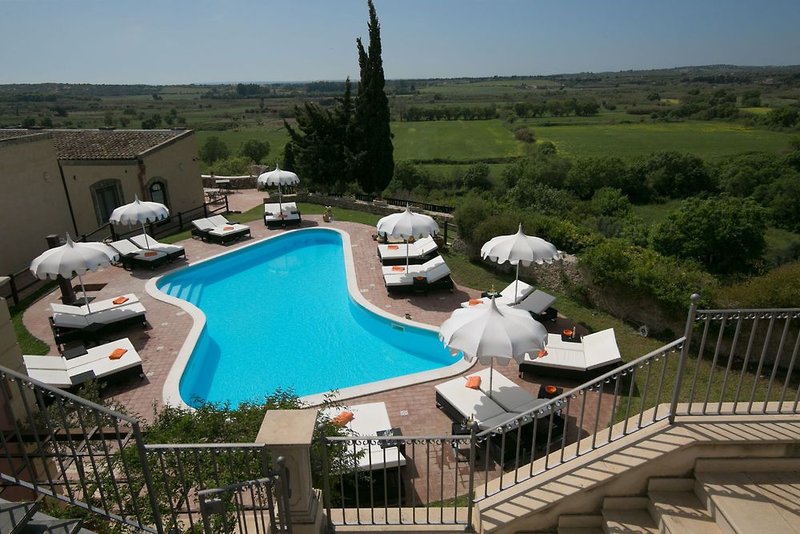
(272, 132)
(708, 140)
(455, 140)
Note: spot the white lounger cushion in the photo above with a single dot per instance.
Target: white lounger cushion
(273, 212)
(421, 247)
(125, 247)
(507, 295)
(203, 225)
(218, 220)
(228, 229)
(415, 269)
(139, 241)
(594, 350)
(473, 403)
(102, 312)
(510, 396)
(60, 372)
(368, 420)
(437, 269)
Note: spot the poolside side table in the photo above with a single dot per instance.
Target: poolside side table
(394, 431)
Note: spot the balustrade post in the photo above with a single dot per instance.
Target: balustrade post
(289, 433)
(687, 336)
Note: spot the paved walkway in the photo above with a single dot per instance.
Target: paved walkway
(411, 408)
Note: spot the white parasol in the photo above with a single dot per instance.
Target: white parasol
(73, 258)
(493, 332)
(138, 212)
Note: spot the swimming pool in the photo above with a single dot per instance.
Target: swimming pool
(279, 314)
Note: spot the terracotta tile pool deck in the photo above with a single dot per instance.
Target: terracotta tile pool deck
(412, 408)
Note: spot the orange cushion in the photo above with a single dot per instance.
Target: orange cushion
(343, 418)
(150, 253)
(392, 247)
(117, 354)
(473, 382)
(227, 228)
(475, 302)
(398, 268)
(120, 300)
(542, 353)
(550, 389)
(567, 332)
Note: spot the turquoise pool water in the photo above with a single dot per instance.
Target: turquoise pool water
(279, 315)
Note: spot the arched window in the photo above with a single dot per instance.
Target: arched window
(106, 195)
(158, 192)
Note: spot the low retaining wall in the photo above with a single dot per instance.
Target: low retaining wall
(376, 206)
(235, 182)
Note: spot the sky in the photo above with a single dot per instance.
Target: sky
(201, 41)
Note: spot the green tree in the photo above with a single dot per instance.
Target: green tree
(674, 175)
(374, 166)
(214, 149)
(255, 150)
(726, 234)
(587, 175)
(477, 177)
(611, 202)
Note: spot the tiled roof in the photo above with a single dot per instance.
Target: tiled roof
(101, 144)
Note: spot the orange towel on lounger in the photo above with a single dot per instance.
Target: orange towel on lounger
(150, 253)
(473, 382)
(226, 228)
(117, 354)
(475, 302)
(392, 247)
(398, 268)
(343, 418)
(120, 300)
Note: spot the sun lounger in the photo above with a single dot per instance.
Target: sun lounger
(507, 296)
(592, 355)
(281, 215)
(225, 233)
(368, 421)
(418, 252)
(510, 396)
(87, 322)
(97, 363)
(132, 255)
(433, 274)
(144, 241)
(462, 404)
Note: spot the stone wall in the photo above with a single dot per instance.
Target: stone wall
(11, 357)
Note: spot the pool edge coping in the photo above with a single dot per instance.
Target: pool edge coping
(171, 389)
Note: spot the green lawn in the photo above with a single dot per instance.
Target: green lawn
(272, 132)
(655, 213)
(705, 139)
(453, 140)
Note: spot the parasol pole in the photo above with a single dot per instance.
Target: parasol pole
(83, 290)
(516, 285)
(146, 243)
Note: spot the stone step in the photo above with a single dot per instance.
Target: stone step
(580, 530)
(14, 515)
(580, 520)
(745, 465)
(679, 512)
(670, 484)
(749, 501)
(625, 503)
(628, 521)
(47, 525)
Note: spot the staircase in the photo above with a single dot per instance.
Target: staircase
(24, 518)
(726, 496)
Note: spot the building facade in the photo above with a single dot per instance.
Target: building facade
(60, 181)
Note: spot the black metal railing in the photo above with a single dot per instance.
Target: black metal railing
(23, 282)
(427, 206)
(260, 506)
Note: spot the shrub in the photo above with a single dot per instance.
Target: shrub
(525, 135)
(611, 202)
(477, 177)
(615, 265)
(779, 288)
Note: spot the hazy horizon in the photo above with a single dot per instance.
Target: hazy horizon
(184, 42)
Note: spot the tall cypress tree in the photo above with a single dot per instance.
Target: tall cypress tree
(373, 158)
